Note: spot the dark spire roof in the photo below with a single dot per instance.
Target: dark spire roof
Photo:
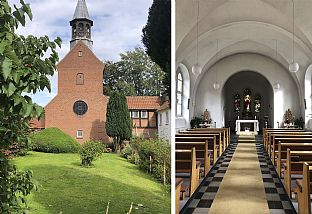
(81, 11)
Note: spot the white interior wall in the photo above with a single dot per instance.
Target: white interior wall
(206, 96)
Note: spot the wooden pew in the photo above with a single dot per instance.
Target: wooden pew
(186, 163)
(294, 165)
(226, 133)
(202, 153)
(178, 184)
(272, 135)
(210, 138)
(282, 152)
(280, 130)
(287, 138)
(304, 190)
(219, 137)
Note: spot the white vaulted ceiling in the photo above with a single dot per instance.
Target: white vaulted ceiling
(244, 26)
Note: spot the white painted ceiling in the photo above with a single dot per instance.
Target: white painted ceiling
(228, 27)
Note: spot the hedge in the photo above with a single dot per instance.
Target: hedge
(53, 140)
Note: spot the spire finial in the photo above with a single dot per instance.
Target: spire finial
(81, 11)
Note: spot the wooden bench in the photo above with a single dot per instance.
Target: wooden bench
(186, 163)
(178, 184)
(282, 152)
(219, 137)
(272, 135)
(213, 148)
(294, 165)
(202, 153)
(226, 133)
(287, 138)
(304, 190)
(266, 133)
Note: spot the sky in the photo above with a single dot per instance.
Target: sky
(117, 27)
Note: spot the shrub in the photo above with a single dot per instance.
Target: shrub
(14, 187)
(53, 140)
(155, 157)
(126, 152)
(89, 151)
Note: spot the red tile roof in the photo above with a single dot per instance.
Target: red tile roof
(143, 102)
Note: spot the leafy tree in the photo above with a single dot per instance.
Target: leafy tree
(157, 37)
(134, 75)
(118, 122)
(23, 69)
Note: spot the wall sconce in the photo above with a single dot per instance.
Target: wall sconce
(276, 86)
(216, 85)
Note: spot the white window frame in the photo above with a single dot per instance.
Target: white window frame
(80, 53)
(144, 116)
(179, 91)
(79, 134)
(135, 114)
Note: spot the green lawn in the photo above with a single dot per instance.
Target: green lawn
(66, 187)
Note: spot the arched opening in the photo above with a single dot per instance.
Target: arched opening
(183, 106)
(88, 33)
(248, 95)
(80, 29)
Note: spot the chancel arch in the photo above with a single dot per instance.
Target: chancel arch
(308, 97)
(248, 95)
(285, 96)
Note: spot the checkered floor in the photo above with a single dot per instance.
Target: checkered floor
(202, 199)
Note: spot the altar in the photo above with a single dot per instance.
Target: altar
(238, 127)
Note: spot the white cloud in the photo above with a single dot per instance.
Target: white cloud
(117, 27)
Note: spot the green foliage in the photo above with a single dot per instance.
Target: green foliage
(53, 140)
(134, 75)
(118, 122)
(157, 37)
(299, 122)
(126, 152)
(154, 156)
(90, 151)
(195, 122)
(15, 185)
(24, 66)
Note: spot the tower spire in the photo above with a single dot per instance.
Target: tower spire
(81, 25)
(81, 11)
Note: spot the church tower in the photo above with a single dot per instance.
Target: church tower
(81, 25)
(79, 108)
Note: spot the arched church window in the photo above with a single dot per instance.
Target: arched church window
(237, 103)
(80, 79)
(80, 107)
(179, 94)
(74, 31)
(80, 29)
(257, 103)
(88, 30)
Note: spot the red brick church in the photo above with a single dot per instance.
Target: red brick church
(79, 108)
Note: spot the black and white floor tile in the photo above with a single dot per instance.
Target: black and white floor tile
(277, 198)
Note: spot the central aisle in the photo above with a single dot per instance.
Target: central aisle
(242, 189)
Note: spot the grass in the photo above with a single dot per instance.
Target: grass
(55, 141)
(66, 187)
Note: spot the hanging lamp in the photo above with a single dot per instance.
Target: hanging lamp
(196, 68)
(293, 66)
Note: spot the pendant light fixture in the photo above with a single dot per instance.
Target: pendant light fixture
(293, 66)
(196, 69)
(216, 85)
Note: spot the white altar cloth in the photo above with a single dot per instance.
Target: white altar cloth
(238, 126)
